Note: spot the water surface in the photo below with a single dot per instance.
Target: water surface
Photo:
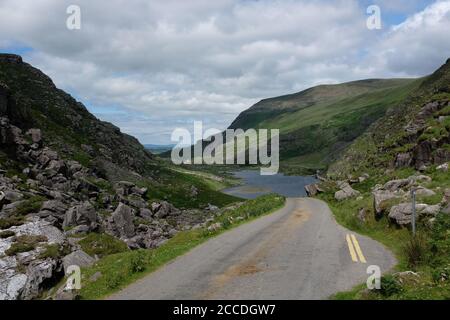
(254, 184)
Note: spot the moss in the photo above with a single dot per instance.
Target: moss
(30, 205)
(18, 248)
(9, 222)
(102, 244)
(54, 251)
(6, 234)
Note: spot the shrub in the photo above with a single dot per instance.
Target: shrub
(18, 247)
(54, 251)
(6, 234)
(102, 244)
(138, 262)
(390, 286)
(30, 205)
(415, 250)
(9, 222)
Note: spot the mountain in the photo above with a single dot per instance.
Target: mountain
(32, 100)
(318, 123)
(414, 133)
(370, 187)
(74, 188)
(158, 148)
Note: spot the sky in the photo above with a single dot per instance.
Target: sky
(152, 66)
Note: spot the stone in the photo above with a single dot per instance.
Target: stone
(146, 213)
(312, 189)
(402, 214)
(35, 134)
(424, 192)
(442, 167)
(77, 258)
(123, 221)
(215, 227)
(403, 160)
(395, 185)
(362, 215)
(346, 192)
(81, 214)
(164, 209)
(53, 207)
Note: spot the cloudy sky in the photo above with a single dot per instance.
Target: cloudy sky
(152, 66)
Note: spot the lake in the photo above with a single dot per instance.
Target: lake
(254, 184)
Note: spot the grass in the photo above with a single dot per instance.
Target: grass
(428, 253)
(102, 244)
(25, 243)
(121, 269)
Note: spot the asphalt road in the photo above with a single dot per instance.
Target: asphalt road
(298, 252)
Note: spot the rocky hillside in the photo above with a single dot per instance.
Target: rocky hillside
(369, 190)
(318, 123)
(415, 133)
(74, 189)
(30, 99)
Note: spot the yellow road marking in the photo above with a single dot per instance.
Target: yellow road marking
(358, 249)
(351, 249)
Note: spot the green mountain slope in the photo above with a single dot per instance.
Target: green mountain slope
(406, 150)
(318, 123)
(415, 133)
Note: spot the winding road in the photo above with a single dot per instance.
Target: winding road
(298, 252)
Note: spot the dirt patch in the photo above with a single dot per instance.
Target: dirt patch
(251, 264)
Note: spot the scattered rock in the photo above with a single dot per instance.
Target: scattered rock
(123, 220)
(77, 258)
(346, 192)
(402, 214)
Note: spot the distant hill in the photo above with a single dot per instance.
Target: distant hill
(158, 148)
(318, 123)
(414, 133)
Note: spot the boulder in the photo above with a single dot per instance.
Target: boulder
(403, 160)
(123, 221)
(81, 214)
(146, 214)
(35, 135)
(53, 208)
(164, 209)
(402, 214)
(312, 189)
(77, 258)
(424, 192)
(395, 185)
(346, 192)
(442, 167)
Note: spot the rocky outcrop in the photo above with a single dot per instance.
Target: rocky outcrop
(402, 214)
(123, 221)
(345, 192)
(313, 189)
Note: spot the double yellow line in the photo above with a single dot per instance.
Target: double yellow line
(355, 249)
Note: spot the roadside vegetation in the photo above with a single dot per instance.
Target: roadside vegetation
(423, 270)
(120, 269)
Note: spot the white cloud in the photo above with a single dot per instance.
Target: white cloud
(150, 66)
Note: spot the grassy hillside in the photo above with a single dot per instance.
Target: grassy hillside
(413, 138)
(318, 123)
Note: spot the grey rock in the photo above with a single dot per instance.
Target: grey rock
(77, 258)
(346, 192)
(81, 214)
(146, 213)
(35, 134)
(401, 214)
(123, 221)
